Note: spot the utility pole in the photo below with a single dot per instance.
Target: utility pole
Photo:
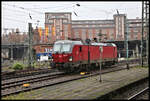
(142, 34)
(88, 42)
(30, 60)
(11, 53)
(127, 25)
(147, 28)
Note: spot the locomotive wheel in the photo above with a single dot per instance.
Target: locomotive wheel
(60, 68)
(68, 70)
(52, 65)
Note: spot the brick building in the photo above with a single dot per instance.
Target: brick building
(61, 26)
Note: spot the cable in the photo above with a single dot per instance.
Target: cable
(46, 7)
(14, 20)
(23, 8)
(21, 15)
(60, 5)
(17, 11)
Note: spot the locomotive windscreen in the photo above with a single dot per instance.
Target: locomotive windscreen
(56, 48)
(66, 47)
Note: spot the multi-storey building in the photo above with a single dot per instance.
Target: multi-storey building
(61, 26)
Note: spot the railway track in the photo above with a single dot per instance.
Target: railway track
(29, 72)
(24, 73)
(132, 91)
(138, 94)
(12, 87)
(30, 79)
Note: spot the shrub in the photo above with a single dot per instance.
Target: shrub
(34, 64)
(18, 66)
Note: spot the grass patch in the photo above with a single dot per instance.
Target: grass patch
(139, 66)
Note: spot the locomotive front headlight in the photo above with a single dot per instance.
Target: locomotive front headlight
(70, 58)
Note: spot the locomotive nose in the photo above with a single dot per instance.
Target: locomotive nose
(60, 58)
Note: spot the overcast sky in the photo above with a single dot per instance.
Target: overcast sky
(16, 14)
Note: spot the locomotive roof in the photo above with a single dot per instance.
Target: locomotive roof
(69, 41)
(103, 44)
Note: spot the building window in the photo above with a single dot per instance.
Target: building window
(50, 21)
(90, 34)
(64, 21)
(83, 34)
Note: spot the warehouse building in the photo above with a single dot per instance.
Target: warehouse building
(61, 26)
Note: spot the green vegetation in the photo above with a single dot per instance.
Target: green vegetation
(23, 64)
(139, 66)
(20, 96)
(18, 66)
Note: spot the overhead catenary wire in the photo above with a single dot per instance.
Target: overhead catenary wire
(20, 14)
(22, 8)
(14, 20)
(15, 6)
(32, 10)
(46, 7)
(61, 7)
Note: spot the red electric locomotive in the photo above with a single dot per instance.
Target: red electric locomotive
(74, 55)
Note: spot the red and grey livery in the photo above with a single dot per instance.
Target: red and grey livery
(71, 55)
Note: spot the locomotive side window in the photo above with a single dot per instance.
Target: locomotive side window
(80, 49)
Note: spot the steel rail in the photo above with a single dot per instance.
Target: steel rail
(28, 80)
(139, 93)
(49, 82)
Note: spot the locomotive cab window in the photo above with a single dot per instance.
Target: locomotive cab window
(57, 47)
(66, 47)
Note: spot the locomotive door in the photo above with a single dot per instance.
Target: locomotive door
(114, 53)
(80, 53)
(77, 53)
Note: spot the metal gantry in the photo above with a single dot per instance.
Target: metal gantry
(145, 28)
(146, 12)
(141, 46)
